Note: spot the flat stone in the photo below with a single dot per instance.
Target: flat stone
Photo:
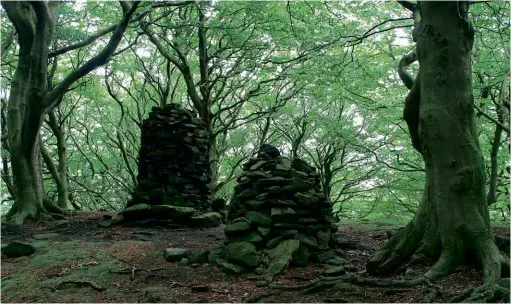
(230, 268)
(283, 215)
(301, 165)
(280, 257)
(272, 181)
(306, 199)
(306, 240)
(216, 254)
(258, 218)
(250, 237)
(323, 240)
(264, 231)
(138, 211)
(275, 241)
(237, 228)
(171, 212)
(288, 232)
(255, 204)
(286, 203)
(198, 257)
(206, 220)
(174, 254)
(45, 236)
(242, 253)
(247, 193)
(257, 165)
(18, 249)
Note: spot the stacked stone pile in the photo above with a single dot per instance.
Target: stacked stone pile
(278, 203)
(173, 170)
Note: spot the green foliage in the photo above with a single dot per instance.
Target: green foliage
(317, 79)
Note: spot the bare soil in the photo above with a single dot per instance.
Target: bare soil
(122, 264)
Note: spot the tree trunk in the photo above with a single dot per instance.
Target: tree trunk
(453, 217)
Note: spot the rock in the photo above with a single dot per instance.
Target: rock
(198, 257)
(216, 254)
(280, 257)
(206, 220)
(174, 254)
(250, 237)
(230, 268)
(270, 150)
(184, 262)
(264, 231)
(323, 240)
(275, 241)
(138, 211)
(45, 236)
(174, 201)
(325, 256)
(272, 181)
(237, 228)
(288, 232)
(285, 203)
(306, 199)
(18, 249)
(257, 165)
(171, 212)
(301, 256)
(301, 165)
(258, 218)
(283, 215)
(259, 270)
(307, 240)
(255, 204)
(242, 253)
(335, 271)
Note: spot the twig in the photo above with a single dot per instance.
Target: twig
(81, 283)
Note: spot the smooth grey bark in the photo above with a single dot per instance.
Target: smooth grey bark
(453, 217)
(30, 99)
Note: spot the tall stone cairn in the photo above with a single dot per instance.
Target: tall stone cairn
(173, 168)
(278, 199)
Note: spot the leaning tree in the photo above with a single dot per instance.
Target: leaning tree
(453, 219)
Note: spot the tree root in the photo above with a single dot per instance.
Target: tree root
(488, 293)
(81, 283)
(328, 282)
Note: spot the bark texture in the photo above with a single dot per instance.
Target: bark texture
(30, 98)
(453, 217)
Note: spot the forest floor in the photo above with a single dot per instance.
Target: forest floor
(127, 265)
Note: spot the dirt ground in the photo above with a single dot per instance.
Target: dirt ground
(123, 264)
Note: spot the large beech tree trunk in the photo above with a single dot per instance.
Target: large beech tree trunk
(30, 99)
(453, 217)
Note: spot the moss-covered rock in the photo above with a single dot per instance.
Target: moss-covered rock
(206, 220)
(242, 253)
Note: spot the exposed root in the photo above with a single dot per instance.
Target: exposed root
(399, 248)
(328, 282)
(81, 283)
(490, 293)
